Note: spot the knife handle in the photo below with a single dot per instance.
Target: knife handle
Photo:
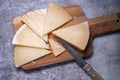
(92, 73)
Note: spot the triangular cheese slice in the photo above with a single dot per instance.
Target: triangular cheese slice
(77, 35)
(26, 37)
(57, 49)
(56, 17)
(35, 20)
(23, 55)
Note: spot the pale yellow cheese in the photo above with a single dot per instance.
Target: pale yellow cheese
(26, 37)
(23, 55)
(77, 35)
(57, 49)
(56, 17)
(35, 20)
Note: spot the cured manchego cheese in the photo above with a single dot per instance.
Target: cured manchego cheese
(35, 20)
(57, 49)
(26, 37)
(23, 55)
(77, 35)
(56, 17)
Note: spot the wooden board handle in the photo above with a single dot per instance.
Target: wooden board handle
(104, 24)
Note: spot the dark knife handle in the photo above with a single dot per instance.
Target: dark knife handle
(92, 73)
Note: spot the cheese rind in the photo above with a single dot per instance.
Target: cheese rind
(35, 20)
(57, 49)
(56, 17)
(77, 35)
(23, 55)
(26, 37)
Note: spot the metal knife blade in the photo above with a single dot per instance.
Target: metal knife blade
(77, 57)
(81, 62)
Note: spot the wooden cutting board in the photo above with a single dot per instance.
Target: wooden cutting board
(98, 26)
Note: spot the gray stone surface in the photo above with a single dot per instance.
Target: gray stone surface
(106, 58)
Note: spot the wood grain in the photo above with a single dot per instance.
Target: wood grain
(98, 26)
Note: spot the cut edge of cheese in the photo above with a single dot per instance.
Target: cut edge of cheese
(26, 37)
(35, 21)
(57, 49)
(23, 55)
(77, 35)
(56, 17)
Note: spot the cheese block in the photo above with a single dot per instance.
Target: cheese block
(23, 55)
(56, 17)
(35, 20)
(57, 49)
(26, 37)
(77, 35)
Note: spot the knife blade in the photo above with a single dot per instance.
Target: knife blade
(81, 62)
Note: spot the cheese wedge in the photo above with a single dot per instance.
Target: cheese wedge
(56, 17)
(26, 37)
(35, 20)
(57, 49)
(77, 35)
(23, 55)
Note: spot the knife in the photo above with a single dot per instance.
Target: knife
(81, 62)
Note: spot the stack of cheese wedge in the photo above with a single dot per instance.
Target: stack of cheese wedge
(32, 42)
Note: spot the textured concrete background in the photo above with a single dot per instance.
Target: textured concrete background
(106, 58)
